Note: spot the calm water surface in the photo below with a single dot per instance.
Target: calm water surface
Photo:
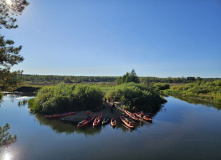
(180, 131)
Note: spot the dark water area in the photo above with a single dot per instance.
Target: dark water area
(180, 130)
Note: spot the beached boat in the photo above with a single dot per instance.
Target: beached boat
(59, 115)
(143, 116)
(113, 122)
(86, 121)
(97, 120)
(127, 122)
(106, 120)
(131, 115)
(146, 114)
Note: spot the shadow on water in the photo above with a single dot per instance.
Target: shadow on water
(60, 126)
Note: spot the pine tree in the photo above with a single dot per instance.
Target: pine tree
(9, 55)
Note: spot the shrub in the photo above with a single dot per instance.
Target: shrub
(62, 98)
(141, 96)
(1, 95)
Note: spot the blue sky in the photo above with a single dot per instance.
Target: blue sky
(158, 38)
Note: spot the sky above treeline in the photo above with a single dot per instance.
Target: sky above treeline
(159, 38)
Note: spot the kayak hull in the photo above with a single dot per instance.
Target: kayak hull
(131, 115)
(59, 115)
(144, 117)
(97, 120)
(113, 122)
(127, 122)
(86, 121)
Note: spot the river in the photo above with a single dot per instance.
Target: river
(180, 131)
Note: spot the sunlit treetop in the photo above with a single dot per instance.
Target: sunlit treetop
(8, 10)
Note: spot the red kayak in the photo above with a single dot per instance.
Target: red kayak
(113, 122)
(143, 116)
(59, 115)
(127, 122)
(146, 114)
(97, 120)
(86, 121)
(133, 116)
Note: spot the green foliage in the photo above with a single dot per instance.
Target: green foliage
(8, 12)
(34, 107)
(1, 95)
(141, 96)
(128, 77)
(201, 89)
(24, 102)
(71, 79)
(126, 107)
(67, 80)
(147, 80)
(161, 86)
(5, 138)
(62, 97)
(9, 55)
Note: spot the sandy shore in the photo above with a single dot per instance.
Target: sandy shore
(105, 110)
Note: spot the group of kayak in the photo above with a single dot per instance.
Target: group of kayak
(135, 116)
(98, 119)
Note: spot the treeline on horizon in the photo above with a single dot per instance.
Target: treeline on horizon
(27, 78)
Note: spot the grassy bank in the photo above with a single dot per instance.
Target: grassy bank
(203, 90)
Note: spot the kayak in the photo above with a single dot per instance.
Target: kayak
(86, 121)
(59, 115)
(133, 116)
(146, 114)
(144, 117)
(106, 120)
(97, 120)
(113, 122)
(127, 122)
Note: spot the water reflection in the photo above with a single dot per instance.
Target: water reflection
(19, 95)
(60, 126)
(68, 127)
(198, 101)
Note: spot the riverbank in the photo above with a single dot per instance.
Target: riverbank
(202, 90)
(106, 112)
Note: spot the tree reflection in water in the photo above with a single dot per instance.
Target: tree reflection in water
(60, 126)
(68, 127)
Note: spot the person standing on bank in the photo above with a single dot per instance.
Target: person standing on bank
(134, 109)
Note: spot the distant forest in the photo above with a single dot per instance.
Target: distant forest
(81, 79)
